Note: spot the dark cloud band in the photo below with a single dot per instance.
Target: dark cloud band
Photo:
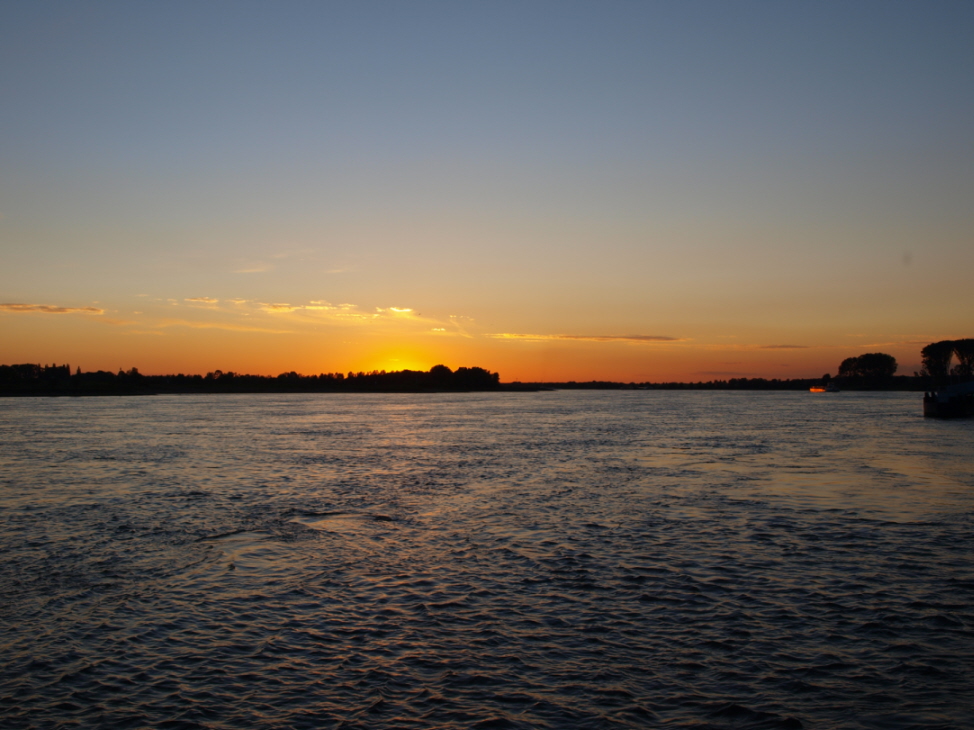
(49, 309)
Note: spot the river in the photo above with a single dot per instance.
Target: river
(499, 560)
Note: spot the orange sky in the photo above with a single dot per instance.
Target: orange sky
(181, 336)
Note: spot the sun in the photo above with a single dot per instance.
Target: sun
(398, 359)
(395, 364)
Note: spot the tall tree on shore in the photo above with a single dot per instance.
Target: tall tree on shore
(936, 360)
(964, 351)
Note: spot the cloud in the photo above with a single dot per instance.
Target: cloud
(783, 347)
(277, 308)
(203, 300)
(902, 343)
(320, 308)
(50, 309)
(220, 326)
(459, 321)
(637, 339)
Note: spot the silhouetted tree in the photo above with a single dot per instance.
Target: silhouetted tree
(30, 379)
(877, 365)
(441, 376)
(475, 379)
(848, 367)
(871, 369)
(964, 350)
(936, 360)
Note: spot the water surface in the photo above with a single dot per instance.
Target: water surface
(593, 559)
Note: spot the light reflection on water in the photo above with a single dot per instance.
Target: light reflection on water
(613, 559)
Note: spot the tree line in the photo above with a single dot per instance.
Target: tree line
(870, 371)
(944, 362)
(30, 379)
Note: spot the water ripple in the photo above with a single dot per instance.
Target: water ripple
(591, 560)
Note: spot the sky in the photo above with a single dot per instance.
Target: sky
(635, 191)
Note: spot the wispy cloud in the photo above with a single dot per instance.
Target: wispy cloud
(636, 339)
(902, 343)
(460, 323)
(49, 309)
(783, 347)
(297, 315)
(319, 309)
(278, 307)
(230, 326)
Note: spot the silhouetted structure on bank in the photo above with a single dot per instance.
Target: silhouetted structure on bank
(937, 358)
(952, 390)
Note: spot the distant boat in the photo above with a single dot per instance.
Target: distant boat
(954, 401)
(830, 388)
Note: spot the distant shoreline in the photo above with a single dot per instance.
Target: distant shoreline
(502, 389)
(57, 381)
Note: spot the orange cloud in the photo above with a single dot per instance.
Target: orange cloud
(50, 309)
(639, 339)
(337, 312)
(229, 326)
(278, 307)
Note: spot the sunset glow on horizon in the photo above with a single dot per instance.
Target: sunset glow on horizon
(553, 191)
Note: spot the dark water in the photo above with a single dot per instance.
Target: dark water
(551, 560)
